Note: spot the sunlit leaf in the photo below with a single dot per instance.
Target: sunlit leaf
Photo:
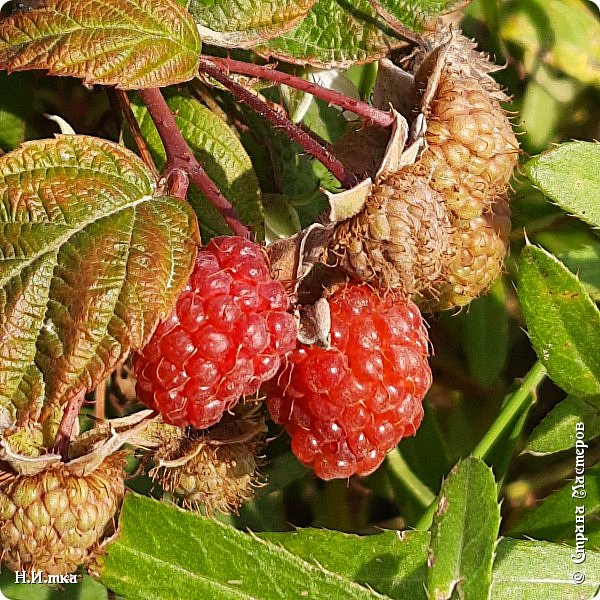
(244, 23)
(89, 261)
(131, 44)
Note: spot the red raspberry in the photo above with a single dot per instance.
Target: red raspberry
(347, 406)
(224, 338)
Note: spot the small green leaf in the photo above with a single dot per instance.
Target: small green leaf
(531, 570)
(335, 33)
(563, 322)
(281, 218)
(391, 562)
(17, 95)
(585, 262)
(245, 23)
(131, 44)
(416, 14)
(557, 431)
(554, 518)
(165, 552)
(219, 150)
(570, 176)
(485, 335)
(90, 261)
(464, 532)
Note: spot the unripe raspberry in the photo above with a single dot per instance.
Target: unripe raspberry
(53, 521)
(345, 407)
(225, 337)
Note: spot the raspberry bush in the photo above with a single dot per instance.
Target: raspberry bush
(276, 272)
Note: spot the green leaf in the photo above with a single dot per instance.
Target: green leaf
(585, 262)
(89, 262)
(563, 322)
(416, 14)
(131, 44)
(570, 176)
(485, 335)
(281, 218)
(464, 532)
(564, 34)
(391, 562)
(335, 33)
(221, 153)
(17, 95)
(554, 518)
(164, 552)
(245, 23)
(557, 430)
(531, 570)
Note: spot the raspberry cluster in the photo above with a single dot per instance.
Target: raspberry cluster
(346, 406)
(224, 338)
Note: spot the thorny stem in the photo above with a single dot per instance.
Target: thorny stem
(370, 113)
(180, 160)
(134, 128)
(63, 437)
(521, 400)
(345, 177)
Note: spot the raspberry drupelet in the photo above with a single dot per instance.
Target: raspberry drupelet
(345, 407)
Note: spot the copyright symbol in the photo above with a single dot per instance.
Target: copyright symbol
(578, 577)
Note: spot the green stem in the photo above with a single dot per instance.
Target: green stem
(515, 405)
(511, 409)
(401, 471)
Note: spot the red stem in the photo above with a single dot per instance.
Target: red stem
(370, 113)
(345, 177)
(180, 158)
(63, 437)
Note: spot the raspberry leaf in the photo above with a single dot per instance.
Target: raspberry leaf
(554, 518)
(555, 432)
(246, 23)
(127, 43)
(562, 320)
(335, 34)
(464, 533)
(219, 150)
(216, 561)
(569, 175)
(90, 262)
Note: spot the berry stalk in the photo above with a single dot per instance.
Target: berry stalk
(345, 177)
(180, 157)
(63, 437)
(370, 113)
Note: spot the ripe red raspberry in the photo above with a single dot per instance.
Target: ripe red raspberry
(347, 406)
(224, 338)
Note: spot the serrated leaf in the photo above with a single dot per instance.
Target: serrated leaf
(89, 261)
(557, 430)
(554, 518)
(335, 33)
(570, 176)
(216, 561)
(391, 562)
(464, 532)
(245, 23)
(416, 14)
(131, 44)
(221, 153)
(562, 320)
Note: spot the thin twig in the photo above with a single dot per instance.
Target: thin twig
(180, 158)
(134, 128)
(345, 177)
(63, 437)
(368, 112)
